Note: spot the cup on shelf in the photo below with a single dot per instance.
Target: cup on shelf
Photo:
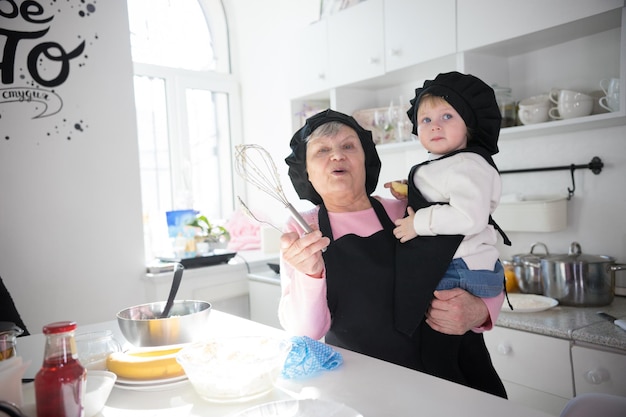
(569, 104)
(610, 101)
(534, 109)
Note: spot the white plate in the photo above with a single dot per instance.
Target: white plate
(528, 303)
(151, 385)
(300, 408)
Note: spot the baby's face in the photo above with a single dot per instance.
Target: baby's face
(440, 128)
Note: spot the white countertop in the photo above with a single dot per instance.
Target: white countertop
(370, 386)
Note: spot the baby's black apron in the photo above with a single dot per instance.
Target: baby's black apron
(360, 291)
(420, 264)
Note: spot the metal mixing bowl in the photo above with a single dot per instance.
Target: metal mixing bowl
(142, 327)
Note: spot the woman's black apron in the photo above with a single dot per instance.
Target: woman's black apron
(361, 293)
(360, 288)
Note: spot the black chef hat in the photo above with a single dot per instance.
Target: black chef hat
(297, 159)
(474, 100)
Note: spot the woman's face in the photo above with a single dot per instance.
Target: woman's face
(336, 166)
(440, 128)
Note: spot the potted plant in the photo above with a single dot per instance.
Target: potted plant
(216, 236)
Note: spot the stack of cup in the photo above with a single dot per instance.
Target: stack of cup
(610, 101)
(570, 104)
(534, 109)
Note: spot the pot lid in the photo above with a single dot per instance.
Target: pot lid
(575, 255)
(532, 255)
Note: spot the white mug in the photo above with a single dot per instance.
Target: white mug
(570, 104)
(611, 90)
(610, 86)
(534, 109)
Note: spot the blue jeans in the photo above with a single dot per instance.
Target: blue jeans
(479, 282)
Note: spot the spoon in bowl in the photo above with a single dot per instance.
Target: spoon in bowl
(178, 276)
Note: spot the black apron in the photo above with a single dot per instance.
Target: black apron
(360, 292)
(420, 264)
(360, 285)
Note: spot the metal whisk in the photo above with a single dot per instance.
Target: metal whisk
(250, 214)
(254, 164)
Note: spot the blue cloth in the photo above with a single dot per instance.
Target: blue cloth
(309, 357)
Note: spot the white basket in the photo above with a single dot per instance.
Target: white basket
(532, 214)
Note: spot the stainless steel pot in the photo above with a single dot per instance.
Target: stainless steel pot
(528, 269)
(582, 280)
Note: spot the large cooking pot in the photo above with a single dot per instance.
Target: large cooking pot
(577, 279)
(527, 268)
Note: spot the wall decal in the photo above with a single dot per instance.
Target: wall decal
(42, 53)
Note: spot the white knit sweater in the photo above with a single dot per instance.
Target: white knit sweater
(472, 188)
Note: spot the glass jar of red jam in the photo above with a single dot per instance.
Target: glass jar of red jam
(60, 383)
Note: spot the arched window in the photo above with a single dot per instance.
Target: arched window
(186, 98)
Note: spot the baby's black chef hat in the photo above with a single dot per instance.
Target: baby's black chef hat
(297, 159)
(474, 100)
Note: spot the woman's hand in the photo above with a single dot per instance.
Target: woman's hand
(394, 192)
(304, 253)
(456, 311)
(404, 229)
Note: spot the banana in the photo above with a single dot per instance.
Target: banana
(400, 188)
(145, 364)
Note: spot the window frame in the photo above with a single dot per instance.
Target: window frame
(176, 82)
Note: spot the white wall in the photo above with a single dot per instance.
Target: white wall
(70, 203)
(265, 40)
(596, 212)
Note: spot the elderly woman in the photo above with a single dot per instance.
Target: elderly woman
(338, 281)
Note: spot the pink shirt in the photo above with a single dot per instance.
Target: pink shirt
(303, 309)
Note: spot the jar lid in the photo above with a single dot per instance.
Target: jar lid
(59, 327)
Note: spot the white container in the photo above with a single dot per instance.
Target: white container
(547, 213)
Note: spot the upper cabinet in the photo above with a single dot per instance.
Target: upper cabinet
(310, 67)
(356, 43)
(417, 31)
(485, 22)
(380, 50)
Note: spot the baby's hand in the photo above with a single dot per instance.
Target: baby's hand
(399, 189)
(405, 230)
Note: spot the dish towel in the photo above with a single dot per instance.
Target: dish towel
(309, 357)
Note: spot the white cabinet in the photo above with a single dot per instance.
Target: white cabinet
(356, 43)
(535, 369)
(417, 31)
(310, 67)
(599, 371)
(225, 286)
(264, 298)
(484, 22)
(379, 50)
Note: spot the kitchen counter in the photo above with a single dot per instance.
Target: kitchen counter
(578, 324)
(368, 385)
